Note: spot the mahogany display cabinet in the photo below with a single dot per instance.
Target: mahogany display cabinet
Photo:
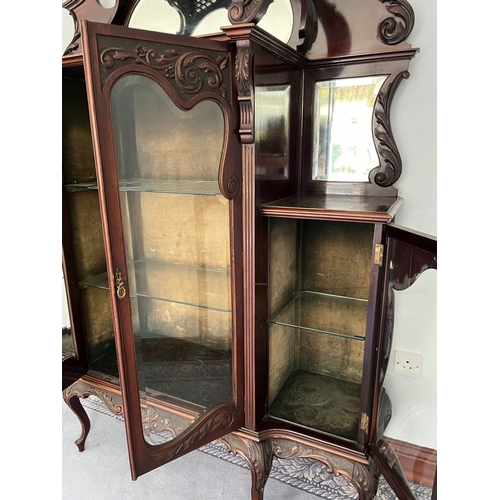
(229, 247)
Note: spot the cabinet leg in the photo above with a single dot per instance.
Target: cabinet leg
(259, 458)
(73, 401)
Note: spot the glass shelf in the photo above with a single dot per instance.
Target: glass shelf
(193, 286)
(324, 313)
(207, 188)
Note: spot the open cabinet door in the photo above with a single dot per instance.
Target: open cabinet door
(403, 438)
(169, 175)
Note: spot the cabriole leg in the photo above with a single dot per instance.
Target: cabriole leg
(73, 401)
(258, 457)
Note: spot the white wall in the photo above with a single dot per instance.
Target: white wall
(414, 124)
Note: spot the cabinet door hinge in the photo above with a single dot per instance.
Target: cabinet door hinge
(379, 254)
(365, 420)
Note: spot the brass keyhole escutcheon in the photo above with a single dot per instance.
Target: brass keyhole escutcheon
(121, 291)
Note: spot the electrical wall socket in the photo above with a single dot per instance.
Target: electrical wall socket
(408, 363)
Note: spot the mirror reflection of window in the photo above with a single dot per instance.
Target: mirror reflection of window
(344, 150)
(155, 15)
(278, 20)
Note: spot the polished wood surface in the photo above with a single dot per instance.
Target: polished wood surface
(333, 207)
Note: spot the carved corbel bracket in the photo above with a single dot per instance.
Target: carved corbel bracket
(390, 165)
(244, 85)
(394, 30)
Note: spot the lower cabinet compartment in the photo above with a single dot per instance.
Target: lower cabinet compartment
(319, 277)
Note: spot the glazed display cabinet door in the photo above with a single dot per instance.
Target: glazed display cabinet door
(403, 440)
(168, 166)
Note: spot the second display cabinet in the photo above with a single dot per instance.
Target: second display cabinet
(228, 247)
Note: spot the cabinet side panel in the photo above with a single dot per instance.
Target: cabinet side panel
(282, 279)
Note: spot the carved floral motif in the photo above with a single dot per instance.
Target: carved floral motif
(190, 70)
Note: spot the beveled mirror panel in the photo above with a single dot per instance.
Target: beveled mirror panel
(272, 122)
(343, 148)
(176, 230)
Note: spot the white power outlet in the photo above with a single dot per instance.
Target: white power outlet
(408, 363)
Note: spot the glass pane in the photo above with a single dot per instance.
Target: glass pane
(85, 244)
(407, 420)
(317, 330)
(343, 148)
(68, 346)
(176, 229)
(272, 115)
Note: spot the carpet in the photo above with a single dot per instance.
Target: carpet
(302, 473)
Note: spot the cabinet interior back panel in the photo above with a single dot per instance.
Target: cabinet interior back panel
(77, 150)
(336, 258)
(180, 229)
(86, 233)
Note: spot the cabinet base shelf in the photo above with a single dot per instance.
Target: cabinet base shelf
(319, 402)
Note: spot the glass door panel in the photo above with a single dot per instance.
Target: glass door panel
(176, 229)
(89, 308)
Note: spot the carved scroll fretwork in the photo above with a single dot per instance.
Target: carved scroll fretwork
(390, 166)
(259, 456)
(191, 71)
(152, 422)
(364, 477)
(218, 418)
(247, 11)
(90, 10)
(394, 30)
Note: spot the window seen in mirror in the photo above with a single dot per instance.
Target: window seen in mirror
(344, 149)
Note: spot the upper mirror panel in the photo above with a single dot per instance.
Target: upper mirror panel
(343, 149)
(205, 17)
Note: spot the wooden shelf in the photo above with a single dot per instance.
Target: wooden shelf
(334, 207)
